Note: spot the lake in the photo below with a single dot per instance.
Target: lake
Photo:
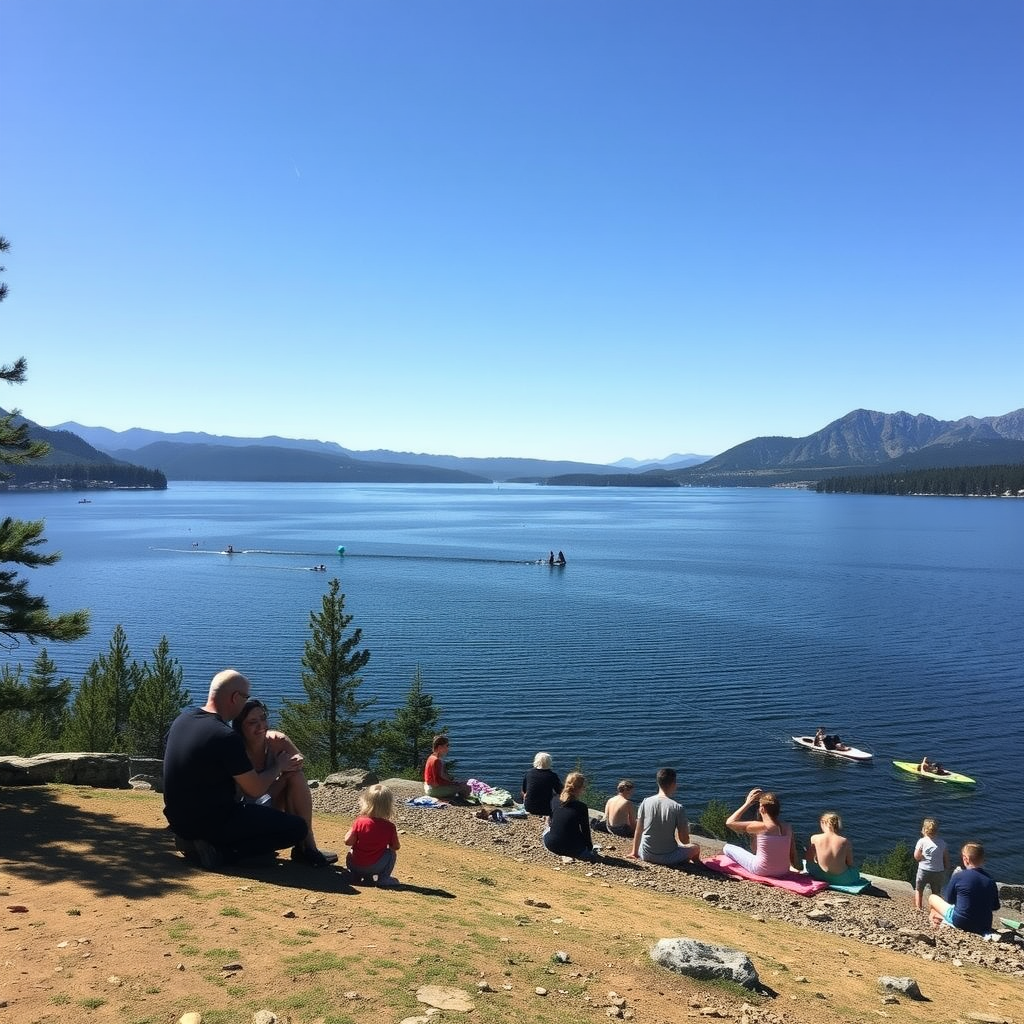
(694, 627)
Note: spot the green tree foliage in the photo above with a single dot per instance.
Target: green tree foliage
(21, 613)
(327, 727)
(961, 481)
(712, 820)
(99, 715)
(158, 700)
(404, 742)
(32, 713)
(897, 863)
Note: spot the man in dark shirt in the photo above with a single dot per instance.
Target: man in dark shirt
(970, 897)
(205, 765)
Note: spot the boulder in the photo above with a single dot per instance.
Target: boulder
(703, 961)
(903, 986)
(352, 778)
(104, 771)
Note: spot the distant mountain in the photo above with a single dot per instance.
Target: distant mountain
(861, 441)
(127, 443)
(77, 462)
(267, 463)
(137, 437)
(676, 461)
(865, 440)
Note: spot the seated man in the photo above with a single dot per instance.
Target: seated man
(436, 780)
(204, 762)
(659, 821)
(970, 896)
(619, 813)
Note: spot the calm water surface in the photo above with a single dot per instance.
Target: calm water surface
(700, 628)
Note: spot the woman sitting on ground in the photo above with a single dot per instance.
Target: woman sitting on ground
(569, 832)
(774, 842)
(619, 812)
(540, 786)
(291, 791)
(829, 853)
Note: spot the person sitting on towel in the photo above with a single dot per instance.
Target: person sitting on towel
(829, 850)
(774, 842)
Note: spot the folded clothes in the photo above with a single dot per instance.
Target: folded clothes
(425, 801)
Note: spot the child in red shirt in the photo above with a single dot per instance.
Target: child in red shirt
(374, 838)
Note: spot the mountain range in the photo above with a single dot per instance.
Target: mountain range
(861, 441)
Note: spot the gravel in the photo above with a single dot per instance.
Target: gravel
(879, 917)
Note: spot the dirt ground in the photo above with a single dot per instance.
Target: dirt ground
(100, 920)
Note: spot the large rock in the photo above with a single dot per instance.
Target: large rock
(352, 778)
(701, 960)
(904, 986)
(105, 771)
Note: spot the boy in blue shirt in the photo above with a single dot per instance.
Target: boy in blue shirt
(970, 896)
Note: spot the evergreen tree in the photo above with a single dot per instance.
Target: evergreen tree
(32, 712)
(405, 740)
(326, 727)
(99, 714)
(159, 699)
(21, 613)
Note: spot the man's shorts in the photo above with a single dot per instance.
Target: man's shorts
(948, 916)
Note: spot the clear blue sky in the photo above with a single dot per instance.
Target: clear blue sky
(576, 229)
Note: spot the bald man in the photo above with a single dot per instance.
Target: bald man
(204, 763)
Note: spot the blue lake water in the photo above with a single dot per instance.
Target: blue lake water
(698, 628)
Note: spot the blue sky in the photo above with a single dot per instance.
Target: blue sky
(563, 229)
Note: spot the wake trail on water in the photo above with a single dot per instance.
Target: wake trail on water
(451, 559)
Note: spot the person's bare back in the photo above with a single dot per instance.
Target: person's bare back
(833, 852)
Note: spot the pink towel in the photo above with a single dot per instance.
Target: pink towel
(802, 885)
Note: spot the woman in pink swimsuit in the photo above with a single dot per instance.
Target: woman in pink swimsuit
(774, 842)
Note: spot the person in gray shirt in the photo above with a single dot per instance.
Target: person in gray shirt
(660, 822)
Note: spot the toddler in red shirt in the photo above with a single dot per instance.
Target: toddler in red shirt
(374, 838)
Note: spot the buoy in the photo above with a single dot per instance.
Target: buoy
(341, 549)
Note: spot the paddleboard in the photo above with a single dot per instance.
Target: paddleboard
(851, 754)
(911, 767)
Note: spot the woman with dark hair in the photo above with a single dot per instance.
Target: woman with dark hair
(774, 842)
(569, 831)
(291, 791)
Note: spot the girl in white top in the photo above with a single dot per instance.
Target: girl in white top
(932, 861)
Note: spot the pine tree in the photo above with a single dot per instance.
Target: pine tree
(326, 727)
(99, 714)
(405, 740)
(159, 699)
(21, 613)
(32, 712)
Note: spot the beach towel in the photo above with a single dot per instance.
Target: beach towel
(425, 801)
(802, 885)
(850, 880)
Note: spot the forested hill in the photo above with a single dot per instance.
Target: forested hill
(965, 481)
(74, 464)
(265, 463)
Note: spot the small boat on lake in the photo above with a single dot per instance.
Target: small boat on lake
(848, 753)
(914, 768)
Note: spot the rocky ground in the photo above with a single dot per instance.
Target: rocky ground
(883, 917)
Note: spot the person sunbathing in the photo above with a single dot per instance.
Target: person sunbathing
(829, 850)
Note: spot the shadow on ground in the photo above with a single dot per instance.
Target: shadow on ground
(43, 839)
